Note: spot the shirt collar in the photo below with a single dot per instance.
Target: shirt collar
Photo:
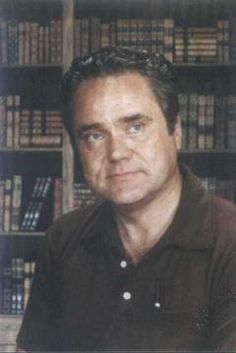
(191, 227)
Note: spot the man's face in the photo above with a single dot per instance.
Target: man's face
(127, 153)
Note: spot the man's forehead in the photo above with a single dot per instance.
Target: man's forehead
(129, 80)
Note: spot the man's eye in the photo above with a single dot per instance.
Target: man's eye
(92, 137)
(136, 128)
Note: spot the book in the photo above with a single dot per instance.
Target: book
(9, 120)
(36, 204)
(2, 189)
(16, 202)
(7, 204)
(16, 122)
(95, 35)
(77, 38)
(52, 41)
(57, 198)
(16, 276)
(2, 121)
(59, 48)
(6, 288)
(3, 42)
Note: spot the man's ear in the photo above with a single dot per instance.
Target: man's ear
(178, 133)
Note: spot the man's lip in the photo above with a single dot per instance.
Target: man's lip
(121, 174)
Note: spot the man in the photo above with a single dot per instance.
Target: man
(153, 266)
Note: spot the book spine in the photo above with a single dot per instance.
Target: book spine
(2, 188)
(34, 28)
(16, 122)
(183, 115)
(7, 288)
(27, 282)
(21, 30)
(59, 41)
(113, 33)
(84, 37)
(27, 43)
(13, 286)
(2, 121)
(105, 35)
(9, 121)
(7, 204)
(16, 202)
(52, 41)
(95, 35)
(209, 129)
(57, 198)
(46, 45)
(201, 121)
(3, 43)
(19, 286)
(77, 36)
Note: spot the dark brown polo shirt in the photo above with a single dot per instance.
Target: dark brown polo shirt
(88, 295)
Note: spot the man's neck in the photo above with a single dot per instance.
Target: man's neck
(140, 228)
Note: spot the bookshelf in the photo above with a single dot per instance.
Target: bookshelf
(77, 27)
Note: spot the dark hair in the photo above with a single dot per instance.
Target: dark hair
(117, 60)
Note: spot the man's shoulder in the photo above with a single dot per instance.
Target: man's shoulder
(73, 225)
(224, 221)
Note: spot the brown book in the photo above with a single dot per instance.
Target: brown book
(52, 42)
(46, 45)
(34, 42)
(77, 36)
(16, 127)
(27, 43)
(9, 121)
(95, 35)
(58, 41)
(21, 35)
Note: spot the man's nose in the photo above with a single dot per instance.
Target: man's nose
(118, 148)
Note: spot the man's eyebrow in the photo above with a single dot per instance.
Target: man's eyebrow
(87, 127)
(125, 119)
(134, 117)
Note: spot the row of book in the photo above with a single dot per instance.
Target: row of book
(15, 283)
(208, 121)
(33, 43)
(14, 217)
(28, 127)
(179, 44)
(27, 43)
(45, 191)
(223, 188)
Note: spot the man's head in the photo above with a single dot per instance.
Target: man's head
(126, 139)
(118, 60)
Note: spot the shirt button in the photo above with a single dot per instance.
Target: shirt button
(123, 264)
(127, 295)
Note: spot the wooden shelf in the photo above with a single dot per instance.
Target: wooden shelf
(21, 234)
(10, 325)
(31, 149)
(11, 317)
(206, 151)
(30, 66)
(211, 65)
